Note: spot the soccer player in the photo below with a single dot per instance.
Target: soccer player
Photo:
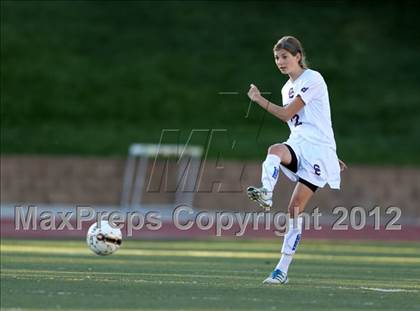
(309, 156)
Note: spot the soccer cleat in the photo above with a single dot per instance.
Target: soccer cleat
(277, 277)
(261, 196)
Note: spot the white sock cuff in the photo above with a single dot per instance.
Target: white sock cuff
(274, 159)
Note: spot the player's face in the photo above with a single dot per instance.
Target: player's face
(286, 62)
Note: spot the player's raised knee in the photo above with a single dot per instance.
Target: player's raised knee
(277, 149)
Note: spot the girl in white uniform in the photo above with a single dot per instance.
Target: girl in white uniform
(309, 156)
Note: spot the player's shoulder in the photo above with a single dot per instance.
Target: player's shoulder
(313, 76)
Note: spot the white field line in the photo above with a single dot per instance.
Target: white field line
(390, 290)
(384, 290)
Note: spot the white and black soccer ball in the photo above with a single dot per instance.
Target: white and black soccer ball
(103, 239)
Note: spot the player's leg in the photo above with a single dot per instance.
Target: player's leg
(278, 153)
(300, 197)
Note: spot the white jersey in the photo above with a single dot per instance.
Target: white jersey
(313, 121)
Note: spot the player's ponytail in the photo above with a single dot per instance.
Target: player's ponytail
(293, 46)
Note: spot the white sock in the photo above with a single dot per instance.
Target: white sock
(290, 243)
(270, 172)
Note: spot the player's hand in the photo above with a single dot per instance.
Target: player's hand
(254, 93)
(343, 165)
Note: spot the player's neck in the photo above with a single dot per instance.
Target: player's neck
(296, 74)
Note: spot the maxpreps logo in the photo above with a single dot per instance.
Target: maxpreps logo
(291, 93)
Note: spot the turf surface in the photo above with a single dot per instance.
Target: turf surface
(208, 275)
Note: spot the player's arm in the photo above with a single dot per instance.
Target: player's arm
(283, 113)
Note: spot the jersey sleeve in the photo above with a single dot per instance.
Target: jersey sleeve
(311, 89)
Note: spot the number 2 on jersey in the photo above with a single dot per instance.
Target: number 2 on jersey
(296, 119)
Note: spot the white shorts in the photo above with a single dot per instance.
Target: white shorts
(315, 163)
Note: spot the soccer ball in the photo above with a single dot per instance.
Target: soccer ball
(104, 239)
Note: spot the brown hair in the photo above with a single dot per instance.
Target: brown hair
(293, 46)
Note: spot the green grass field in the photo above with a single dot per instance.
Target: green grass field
(208, 275)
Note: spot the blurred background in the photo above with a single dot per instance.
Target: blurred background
(82, 80)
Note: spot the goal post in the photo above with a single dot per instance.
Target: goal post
(188, 168)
